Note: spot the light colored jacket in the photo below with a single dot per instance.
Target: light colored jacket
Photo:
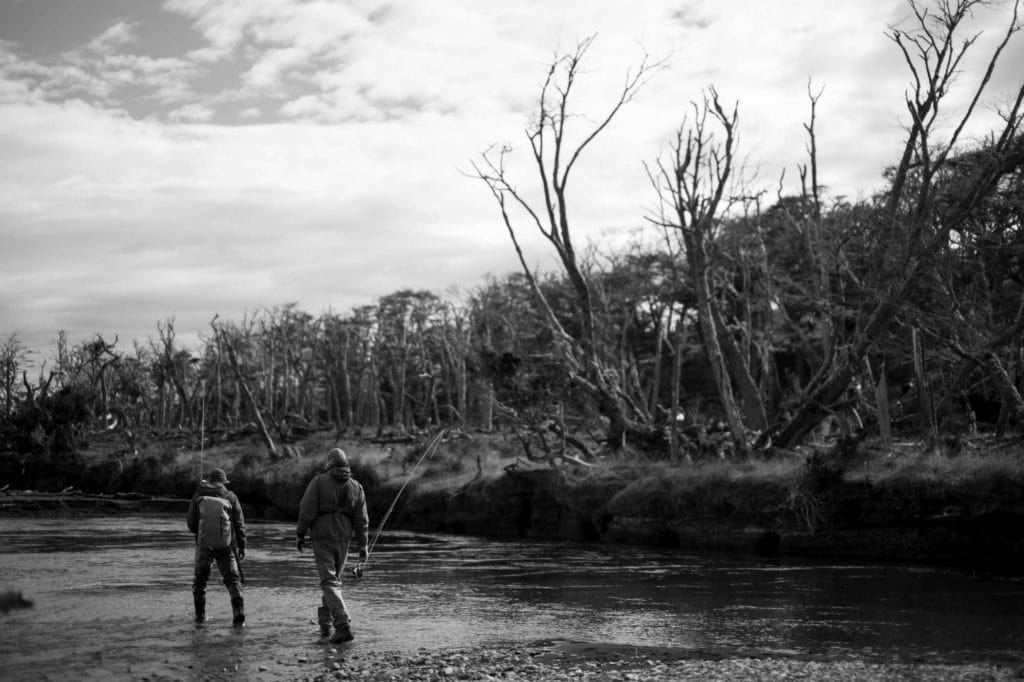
(333, 510)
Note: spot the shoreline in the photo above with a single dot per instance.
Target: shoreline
(76, 504)
(570, 660)
(992, 558)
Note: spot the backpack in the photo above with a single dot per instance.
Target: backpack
(214, 522)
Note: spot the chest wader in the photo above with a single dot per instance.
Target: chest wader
(325, 617)
(215, 543)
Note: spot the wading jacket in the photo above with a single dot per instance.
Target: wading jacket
(207, 489)
(332, 509)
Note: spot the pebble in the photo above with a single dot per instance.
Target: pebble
(542, 664)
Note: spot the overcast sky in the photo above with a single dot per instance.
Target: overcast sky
(193, 157)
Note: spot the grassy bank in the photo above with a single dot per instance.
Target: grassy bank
(904, 503)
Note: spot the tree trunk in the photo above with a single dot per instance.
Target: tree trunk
(260, 424)
(831, 388)
(346, 385)
(1013, 404)
(712, 346)
(924, 394)
(610, 405)
(462, 402)
(754, 416)
(269, 370)
(884, 413)
(488, 407)
(673, 416)
(331, 404)
(659, 334)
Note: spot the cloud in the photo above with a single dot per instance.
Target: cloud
(314, 151)
(191, 113)
(136, 216)
(118, 35)
(96, 74)
(277, 39)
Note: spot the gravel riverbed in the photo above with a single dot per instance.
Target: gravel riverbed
(577, 661)
(525, 665)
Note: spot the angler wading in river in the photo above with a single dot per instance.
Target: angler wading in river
(332, 510)
(215, 519)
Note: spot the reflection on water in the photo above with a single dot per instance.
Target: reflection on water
(112, 593)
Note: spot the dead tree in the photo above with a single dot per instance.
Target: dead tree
(692, 185)
(555, 156)
(170, 360)
(13, 358)
(228, 345)
(925, 211)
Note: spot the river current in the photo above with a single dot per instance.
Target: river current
(112, 599)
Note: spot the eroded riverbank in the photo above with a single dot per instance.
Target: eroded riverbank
(964, 511)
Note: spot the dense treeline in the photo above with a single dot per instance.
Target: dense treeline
(749, 322)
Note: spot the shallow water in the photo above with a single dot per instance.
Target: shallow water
(112, 600)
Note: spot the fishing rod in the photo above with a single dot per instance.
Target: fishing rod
(202, 452)
(202, 428)
(357, 570)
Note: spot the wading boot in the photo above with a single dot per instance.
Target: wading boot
(200, 604)
(238, 610)
(323, 618)
(342, 633)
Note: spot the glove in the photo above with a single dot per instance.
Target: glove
(362, 554)
(241, 553)
(300, 542)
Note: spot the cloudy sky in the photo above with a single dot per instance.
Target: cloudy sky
(188, 158)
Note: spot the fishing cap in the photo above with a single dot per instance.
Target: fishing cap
(335, 458)
(217, 476)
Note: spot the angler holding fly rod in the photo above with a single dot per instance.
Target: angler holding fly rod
(333, 512)
(216, 520)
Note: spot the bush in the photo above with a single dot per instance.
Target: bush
(50, 426)
(47, 433)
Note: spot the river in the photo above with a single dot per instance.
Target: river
(112, 601)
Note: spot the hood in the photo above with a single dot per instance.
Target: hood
(207, 488)
(340, 473)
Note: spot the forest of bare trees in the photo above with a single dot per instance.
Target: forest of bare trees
(753, 321)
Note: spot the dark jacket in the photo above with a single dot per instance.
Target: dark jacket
(333, 509)
(207, 489)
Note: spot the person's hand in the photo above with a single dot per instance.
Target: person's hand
(363, 554)
(241, 553)
(300, 542)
